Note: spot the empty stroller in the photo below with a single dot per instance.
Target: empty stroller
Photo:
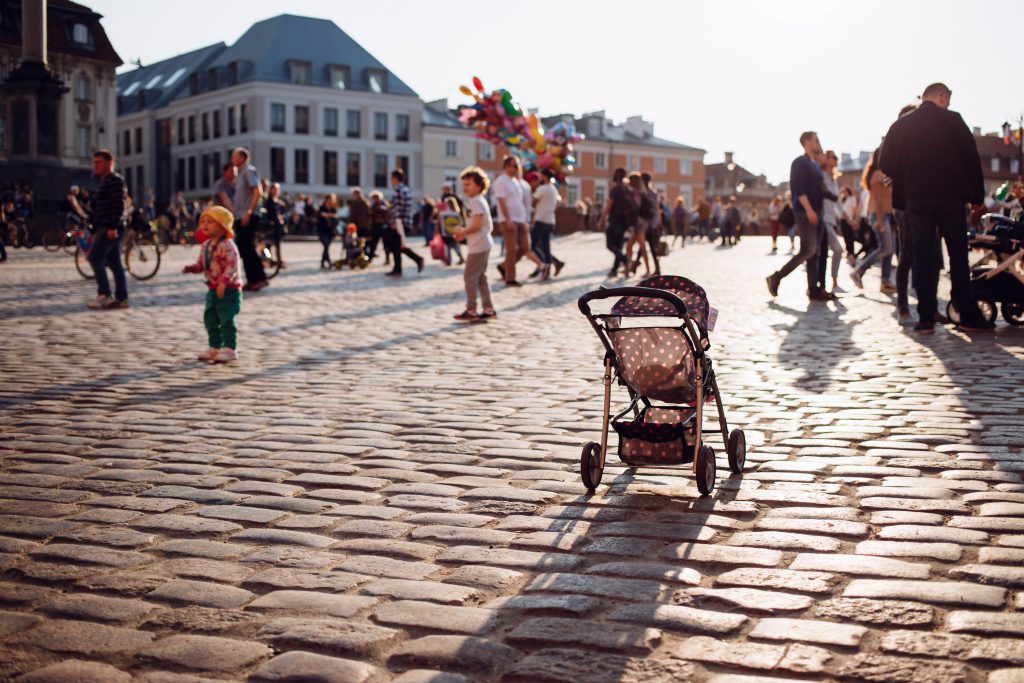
(668, 364)
(998, 276)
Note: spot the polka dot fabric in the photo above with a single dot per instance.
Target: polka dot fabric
(656, 362)
(690, 292)
(656, 437)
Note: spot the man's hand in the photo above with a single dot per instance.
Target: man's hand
(220, 291)
(459, 235)
(812, 217)
(245, 219)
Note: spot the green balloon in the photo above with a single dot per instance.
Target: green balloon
(1003, 192)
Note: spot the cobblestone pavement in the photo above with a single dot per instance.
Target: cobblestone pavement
(374, 493)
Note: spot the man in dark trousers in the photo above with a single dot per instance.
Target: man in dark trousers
(107, 206)
(931, 155)
(807, 185)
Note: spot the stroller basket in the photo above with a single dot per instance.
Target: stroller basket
(658, 436)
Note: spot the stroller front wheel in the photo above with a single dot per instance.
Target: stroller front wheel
(737, 450)
(590, 466)
(705, 469)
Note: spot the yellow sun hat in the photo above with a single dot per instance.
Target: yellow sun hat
(223, 217)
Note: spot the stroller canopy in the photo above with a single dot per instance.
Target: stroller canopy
(690, 292)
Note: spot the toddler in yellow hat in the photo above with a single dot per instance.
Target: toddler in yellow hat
(218, 262)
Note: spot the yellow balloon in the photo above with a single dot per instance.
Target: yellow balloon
(465, 91)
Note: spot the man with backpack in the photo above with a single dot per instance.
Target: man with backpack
(619, 213)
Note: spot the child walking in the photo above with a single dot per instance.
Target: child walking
(477, 234)
(218, 262)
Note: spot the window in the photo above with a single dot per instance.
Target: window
(686, 192)
(685, 167)
(232, 121)
(302, 119)
(83, 88)
(632, 162)
(216, 123)
(340, 76)
(377, 79)
(126, 146)
(243, 118)
(80, 34)
(192, 128)
(277, 117)
(206, 170)
(302, 166)
(83, 140)
(380, 126)
(352, 171)
(659, 164)
(193, 84)
(380, 170)
(300, 72)
(233, 73)
(330, 168)
(451, 177)
(402, 127)
(600, 160)
(206, 125)
(181, 131)
(277, 164)
(1014, 165)
(402, 162)
(140, 179)
(217, 173)
(138, 140)
(451, 148)
(179, 181)
(353, 123)
(191, 173)
(600, 192)
(211, 79)
(128, 180)
(331, 122)
(995, 164)
(573, 193)
(486, 151)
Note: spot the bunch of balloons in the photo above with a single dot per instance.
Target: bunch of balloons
(499, 120)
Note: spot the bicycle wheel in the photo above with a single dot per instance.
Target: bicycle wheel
(53, 239)
(268, 254)
(82, 264)
(70, 243)
(141, 258)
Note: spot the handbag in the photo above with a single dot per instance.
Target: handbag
(437, 248)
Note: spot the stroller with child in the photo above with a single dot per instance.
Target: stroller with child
(656, 341)
(998, 276)
(355, 250)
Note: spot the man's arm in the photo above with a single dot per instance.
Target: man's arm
(225, 201)
(254, 199)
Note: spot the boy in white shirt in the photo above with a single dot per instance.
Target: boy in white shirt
(477, 234)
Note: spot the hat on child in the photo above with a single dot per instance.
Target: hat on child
(223, 217)
(352, 227)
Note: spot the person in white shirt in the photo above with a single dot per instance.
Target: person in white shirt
(477, 234)
(512, 216)
(545, 201)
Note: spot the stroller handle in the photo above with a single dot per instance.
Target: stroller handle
(649, 292)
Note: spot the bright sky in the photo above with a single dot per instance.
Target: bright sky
(746, 77)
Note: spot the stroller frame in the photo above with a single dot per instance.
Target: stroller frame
(1002, 283)
(593, 458)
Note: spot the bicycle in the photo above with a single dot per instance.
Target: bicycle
(268, 251)
(55, 238)
(19, 233)
(141, 256)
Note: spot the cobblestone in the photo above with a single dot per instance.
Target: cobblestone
(339, 505)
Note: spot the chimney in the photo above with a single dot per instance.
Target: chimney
(846, 158)
(976, 130)
(728, 158)
(33, 34)
(637, 127)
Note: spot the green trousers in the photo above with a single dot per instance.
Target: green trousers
(219, 317)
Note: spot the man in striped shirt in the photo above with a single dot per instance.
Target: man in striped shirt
(401, 218)
(107, 207)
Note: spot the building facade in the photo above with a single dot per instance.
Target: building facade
(753, 192)
(317, 111)
(448, 148)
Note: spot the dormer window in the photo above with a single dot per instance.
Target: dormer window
(233, 73)
(80, 34)
(301, 72)
(377, 80)
(211, 79)
(340, 76)
(193, 84)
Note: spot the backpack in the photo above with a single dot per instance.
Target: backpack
(786, 216)
(647, 207)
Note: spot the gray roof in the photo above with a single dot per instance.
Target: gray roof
(441, 119)
(617, 133)
(162, 82)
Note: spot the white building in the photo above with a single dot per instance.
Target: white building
(319, 113)
(448, 148)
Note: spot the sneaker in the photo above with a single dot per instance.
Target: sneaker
(488, 314)
(536, 272)
(976, 326)
(858, 279)
(513, 283)
(393, 273)
(904, 317)
(924, 328)
(501, 269)
(545, 273)
(225, 356)
(613, 272)
(466, 317)
(558, 266)
(773, 285)
(100, 302)
(122, 303)
(941, 319)
(208, 354)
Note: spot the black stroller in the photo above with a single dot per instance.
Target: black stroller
(997, 277)
(668, 364)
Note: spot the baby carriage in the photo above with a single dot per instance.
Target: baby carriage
(664, 364)
(998, 276)
(355, 249)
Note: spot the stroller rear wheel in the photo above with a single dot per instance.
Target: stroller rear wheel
(1013, 312)
(737, 450)
(705, 469)
(590, 466)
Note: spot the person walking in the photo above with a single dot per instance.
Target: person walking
(512, 201)
(244, 201)
(401, 217)
(618, 214)
(679, 220)
(545, 201)
(704, 219)
(932, 154)
(880, 220)
(806, 185)
(904, 244)
(108, 202)
(274, 212)
(327, 227)
(830, 218)
(774, 211)
(379, 215)
(224, 188)
(359, 212)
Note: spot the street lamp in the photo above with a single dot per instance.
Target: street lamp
(1007, 139)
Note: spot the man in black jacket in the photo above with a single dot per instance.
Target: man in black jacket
(105, 251)
(931, 155)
